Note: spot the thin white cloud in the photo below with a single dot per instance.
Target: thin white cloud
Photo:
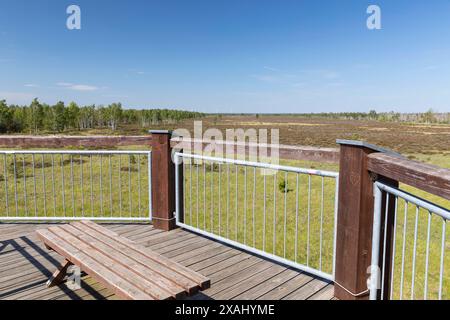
(266, 78)
(83, 87)
(64, 84)
(77, 87)
(271, 69)
(31, 85)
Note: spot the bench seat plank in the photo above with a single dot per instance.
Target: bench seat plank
(120, 270)
(132, 271)
(130, 264)
(93, 268)
(202, 282)
(175, 278)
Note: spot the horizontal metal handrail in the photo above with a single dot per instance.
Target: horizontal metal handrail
(74, 152)
(441, 211)
(261, 165)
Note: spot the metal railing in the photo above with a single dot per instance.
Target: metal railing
(283, 213)
(73, 185)
(418, 259)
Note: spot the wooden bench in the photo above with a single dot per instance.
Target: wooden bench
(130, 270)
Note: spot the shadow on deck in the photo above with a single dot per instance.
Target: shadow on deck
(25, 266)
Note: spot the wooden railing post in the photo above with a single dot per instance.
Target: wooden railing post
(163, 181)
(355, 221)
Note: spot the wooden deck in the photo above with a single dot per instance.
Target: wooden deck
(26, 265)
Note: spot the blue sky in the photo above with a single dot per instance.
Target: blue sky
(229, 56)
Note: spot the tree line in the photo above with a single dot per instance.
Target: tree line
(41, 117)
(425, 117)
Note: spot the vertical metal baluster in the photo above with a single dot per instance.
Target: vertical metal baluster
(264, 212)
(43, 184)
(101, 185)
(150, 195)
(6, 185)
(274, 241)
(413, 276)
(335, 218)
(441, 271)
(228, 201)
(204, 195)
(253, 207)
(62, 185)
(53, 185)
(129, 185)
(212, 198)
(285, 212)
(384, 244)
(92, 187)
(71, 182)
(321, 225)
(190, 192)
(403, 250)
(34, 185)
(393, 248)
(425, 291)
(15, 185)
(81, 185)
(296, 220)
(110, 186)
(184, 189)
(309, 220)
(236, 205)
(197, 169)
(245, 205)
(120, 185)
(220, 200)
(24, 169)
(139, 184)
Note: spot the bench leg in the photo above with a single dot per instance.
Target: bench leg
(59, 274)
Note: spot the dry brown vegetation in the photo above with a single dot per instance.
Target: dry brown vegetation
(295, 130)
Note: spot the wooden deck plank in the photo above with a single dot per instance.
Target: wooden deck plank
(204, 256)
(198, 265)
(242, 258)
(182, 247)
(307, 290)
(251, 282)
(208, 247)
(237, 277)
(287, 288)
(27, 279)
(268, 285)
(327, 293)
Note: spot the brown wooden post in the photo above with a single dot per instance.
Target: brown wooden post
(355, 221)
(163, 181)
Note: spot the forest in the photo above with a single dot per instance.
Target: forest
(44, 118)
